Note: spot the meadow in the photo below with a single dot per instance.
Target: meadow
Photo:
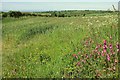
(60, 47)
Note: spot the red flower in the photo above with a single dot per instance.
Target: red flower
(98, 53)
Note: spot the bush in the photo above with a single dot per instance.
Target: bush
(4, 14)
(15, 14)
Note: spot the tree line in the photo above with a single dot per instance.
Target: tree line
(74, 13)
(18, 14)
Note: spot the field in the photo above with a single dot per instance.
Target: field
(60, 47)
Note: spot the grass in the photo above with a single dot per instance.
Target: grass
(43, 46)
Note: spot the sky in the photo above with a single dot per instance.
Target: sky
(59, 0)
(50, 5)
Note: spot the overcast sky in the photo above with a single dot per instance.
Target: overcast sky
(59, 0)
(46, 5)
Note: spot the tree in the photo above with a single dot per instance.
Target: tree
(84, 14)
(4, 14)
(61, 15)
(15, 14)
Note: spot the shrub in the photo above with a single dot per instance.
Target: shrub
(15, 14)
(4, 14)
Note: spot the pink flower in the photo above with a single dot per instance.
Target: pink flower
(102, 53)
(87, 56)
(111, 51)
(118, 47)
(90, 55)
(110, 46)
(76, 57)
(96, 47)
(104, 42)
(95, 51)
(104, 48)
(98, 53)
(78, 63)
(108, 57)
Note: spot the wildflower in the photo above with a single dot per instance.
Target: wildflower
(110, 46)
(86, 43)
(104, 42)
(84, 61)
(105, 46)
(78, 63)
(102, 53)
(74, 55)
(118, 47)
(96, 47)
(100, 45)
(87, 56)
(113, 52)
(98, 53)
(108, 57)
(110, 37)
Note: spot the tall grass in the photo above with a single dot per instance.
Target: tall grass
(57, 47)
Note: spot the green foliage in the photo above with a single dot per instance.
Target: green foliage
(4, 14)
(15, 14)
(67, 13)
